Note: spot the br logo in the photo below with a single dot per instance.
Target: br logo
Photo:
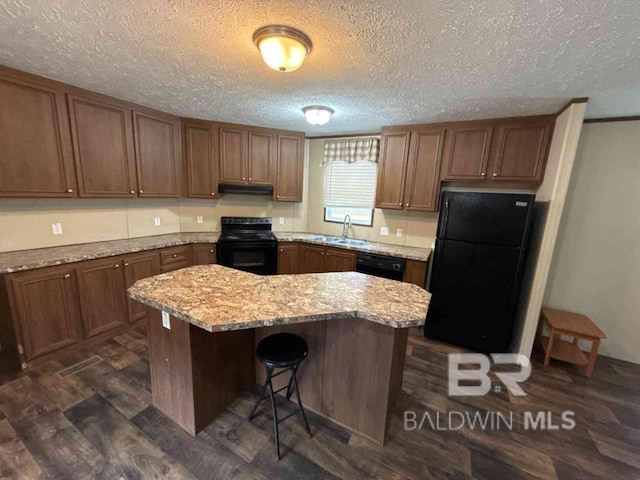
(475, 382)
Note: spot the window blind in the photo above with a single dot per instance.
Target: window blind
(350, 184)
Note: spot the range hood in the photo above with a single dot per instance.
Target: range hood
(244, 189)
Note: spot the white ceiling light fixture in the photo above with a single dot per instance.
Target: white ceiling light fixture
(283, 48)
(317, 114)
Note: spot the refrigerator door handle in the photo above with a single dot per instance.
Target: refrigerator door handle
(445, 218)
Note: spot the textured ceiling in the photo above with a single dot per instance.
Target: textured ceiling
(376, 63)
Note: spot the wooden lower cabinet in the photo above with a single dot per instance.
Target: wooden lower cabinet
(102, 291)
(175, 258)
(136, 267)
(337, 260)
(288, 258)
(311, 259)
(204, 254)
(47, 309)
(416, 272)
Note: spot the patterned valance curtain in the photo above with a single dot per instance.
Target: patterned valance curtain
(351, 150)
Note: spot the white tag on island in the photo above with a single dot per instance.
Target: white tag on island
(166, 320)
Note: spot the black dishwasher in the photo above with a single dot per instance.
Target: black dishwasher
(381, 266)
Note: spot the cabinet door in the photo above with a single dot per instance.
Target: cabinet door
(102, 295)
(416, 273)
(288, 258)
(466, 153)
(311, 259)
(47, 308)
(136, 267)
(157, 147)
(289, 170)
(392, 169)
(201, 146)
(520, 152)
(35, 141)
(103, 148)
(423, 170)
(339, 260)
(260, 158)
(204, 254)
(233, 155)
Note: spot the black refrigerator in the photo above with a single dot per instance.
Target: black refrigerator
(477, 268)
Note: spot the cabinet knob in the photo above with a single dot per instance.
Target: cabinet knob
(243, 178)
(70, 190)
(141, 191)
(126, 264)
(211, 250)
(67, 275)
(116, 266)
(407, 205)
(282, 249)
(483, 174)
(213, 194)
(400, 204)
(277, 196)
(175, 255)
(321, 253)
(132, 192)
(249, 178)
(495, 174)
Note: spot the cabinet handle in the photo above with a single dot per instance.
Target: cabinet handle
(70, 190)
(67, 275)
(126, 264)
(116, 266)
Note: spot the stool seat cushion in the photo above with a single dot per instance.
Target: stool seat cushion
(282, 349)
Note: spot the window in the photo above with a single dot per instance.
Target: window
(350, 188)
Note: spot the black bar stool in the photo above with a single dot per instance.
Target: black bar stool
(284, 351)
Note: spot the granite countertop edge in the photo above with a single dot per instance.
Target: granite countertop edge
(22, 260)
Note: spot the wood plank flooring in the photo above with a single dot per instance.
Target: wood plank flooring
(99, 423)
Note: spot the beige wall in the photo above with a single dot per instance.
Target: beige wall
(596, 266)
(419, 229)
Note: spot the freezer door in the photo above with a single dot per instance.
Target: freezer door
(474, 292)
(492, 218)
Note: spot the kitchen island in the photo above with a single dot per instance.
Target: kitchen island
(204, 355)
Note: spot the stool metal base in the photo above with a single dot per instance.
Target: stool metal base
(291, 386)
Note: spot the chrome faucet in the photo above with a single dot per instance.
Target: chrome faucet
(346, 226)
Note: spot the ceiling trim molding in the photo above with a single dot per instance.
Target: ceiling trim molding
(612, 119)
(571, 102)
(344, 135)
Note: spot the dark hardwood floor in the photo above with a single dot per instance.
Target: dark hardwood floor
(99, 423)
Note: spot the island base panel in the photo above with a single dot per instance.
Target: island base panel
(353, 373)
(196, 374)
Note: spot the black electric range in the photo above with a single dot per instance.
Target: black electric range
(247, 243)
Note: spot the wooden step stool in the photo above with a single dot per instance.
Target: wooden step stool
(574, 325)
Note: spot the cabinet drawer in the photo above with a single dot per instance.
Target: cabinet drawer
(171, 256)
(174, 266)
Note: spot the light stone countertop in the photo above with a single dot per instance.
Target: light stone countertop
(399, 251)
(217, 298)
(45, 257)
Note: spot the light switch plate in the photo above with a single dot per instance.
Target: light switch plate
(56, 228)
(281, 221)
(384, 230)
(156, 221)
(199, 219)
(399, 233)
(166, 320)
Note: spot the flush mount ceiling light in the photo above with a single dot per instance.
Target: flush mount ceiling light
(317, 115)
(283, 48)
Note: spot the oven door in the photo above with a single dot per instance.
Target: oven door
(259, 258)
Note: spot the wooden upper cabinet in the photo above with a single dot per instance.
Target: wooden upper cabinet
(103, 147)
(260, 158)
(233, 145)
(35, 142)
(47, 309)
(136, 267)
(466, 152)
(392, 169)
(520, 151)
(423, 170)
(157, 148)
(289, 168)
(102, 295)
(201, 159)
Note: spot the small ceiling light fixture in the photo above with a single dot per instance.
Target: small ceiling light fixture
(283, 48)
(317, 115)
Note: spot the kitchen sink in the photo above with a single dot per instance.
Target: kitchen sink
(349, 241)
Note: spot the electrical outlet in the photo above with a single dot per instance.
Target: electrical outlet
(399, 233)
(156, 221)
(384, 231)
(281, 221)
(56, 228)
(199, 219)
